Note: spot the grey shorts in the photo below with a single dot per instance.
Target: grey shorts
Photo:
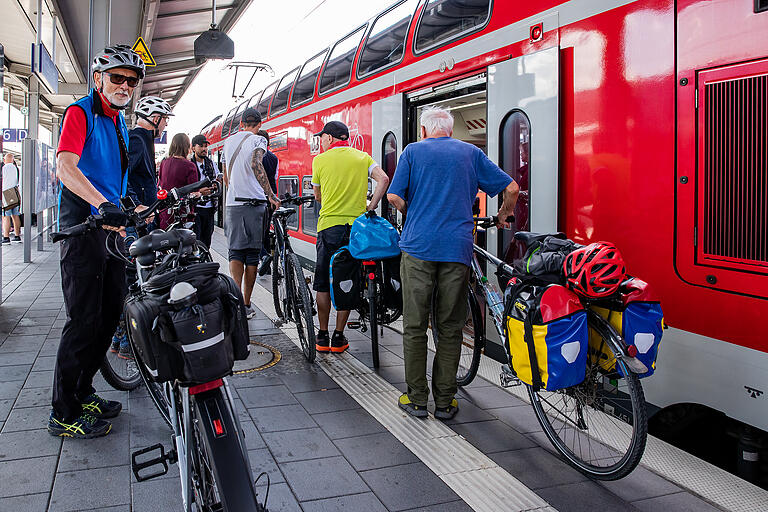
(245, 226)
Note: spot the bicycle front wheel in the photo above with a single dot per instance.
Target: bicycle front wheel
(600, 426)
(120, 372)
(302, 308)
(471, 342)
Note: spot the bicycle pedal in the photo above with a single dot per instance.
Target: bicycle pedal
(354, 325)
(162, 460)
(507, 378)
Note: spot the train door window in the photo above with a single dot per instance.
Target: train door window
(235, 126)
(227, 122)
(388, 165)
(309, 211)
(265, 98)
(338, 70)
(290, 185)
(280, 103)
(515, 146)
(385, 44)
(445, 20)
(304, 90)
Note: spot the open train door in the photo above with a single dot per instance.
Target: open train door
(387, 144)
(523, 134)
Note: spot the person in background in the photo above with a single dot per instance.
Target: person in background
(10, 180)
(271, 165)
(177, 171)
(246, 177)
(340, 183)
(435, 183)
(204, 211)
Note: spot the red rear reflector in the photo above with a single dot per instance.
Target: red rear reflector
(218, 427)
(200, 388)
(367, 263)
(371, 276)
(632, 351)
(162, 194)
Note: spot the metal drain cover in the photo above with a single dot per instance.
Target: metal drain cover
(261, 357)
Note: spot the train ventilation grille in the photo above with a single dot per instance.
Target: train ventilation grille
(734, 196)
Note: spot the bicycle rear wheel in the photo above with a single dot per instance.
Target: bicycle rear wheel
(302, 307)
(472, 339)
(278, 284)
(221, 472)
(120, 373)
(600, 426)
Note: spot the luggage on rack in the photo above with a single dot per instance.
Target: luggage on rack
(195, 342)
(638, 317)
(546, 335)
(543, 260)
(345, 271)
(373, 238)
(393, 285)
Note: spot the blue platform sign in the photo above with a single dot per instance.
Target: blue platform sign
(44, 68)
(14, 134)
(163, 138)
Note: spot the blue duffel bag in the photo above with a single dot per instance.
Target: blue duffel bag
(373, 238)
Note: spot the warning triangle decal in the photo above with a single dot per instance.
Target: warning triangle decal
(142, 49)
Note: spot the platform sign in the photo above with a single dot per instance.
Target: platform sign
(44, 68)
(14, 134)
(163, 138)
(142, 49)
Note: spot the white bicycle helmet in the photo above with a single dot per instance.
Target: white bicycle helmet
(118, 56)
(148, 106)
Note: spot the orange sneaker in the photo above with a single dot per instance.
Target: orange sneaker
(322, 343)
(339, 342)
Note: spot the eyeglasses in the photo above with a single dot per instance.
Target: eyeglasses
(121, 79)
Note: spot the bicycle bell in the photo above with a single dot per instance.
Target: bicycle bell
(183, 295)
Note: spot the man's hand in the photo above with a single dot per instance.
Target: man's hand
(274, 201)
(113, 218)
(205, 191)
(504, 220)
(142, 208)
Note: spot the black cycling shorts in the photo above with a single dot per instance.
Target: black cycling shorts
(329, 241)
(248, 257)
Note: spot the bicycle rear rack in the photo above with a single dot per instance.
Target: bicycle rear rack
(163, 459)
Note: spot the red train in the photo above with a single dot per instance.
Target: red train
(641, 122)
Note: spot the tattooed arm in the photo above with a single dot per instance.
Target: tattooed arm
(261, 176)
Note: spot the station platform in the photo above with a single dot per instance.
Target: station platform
(329, 434)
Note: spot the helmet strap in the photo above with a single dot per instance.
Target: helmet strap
(149, 120)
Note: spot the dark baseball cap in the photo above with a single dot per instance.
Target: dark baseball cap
(199, 140)
(251, 116)
(335, 129)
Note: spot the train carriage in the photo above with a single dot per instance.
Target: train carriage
(640, 122)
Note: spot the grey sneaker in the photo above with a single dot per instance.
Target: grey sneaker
(447, 413)
(249, 312)
(6, 240)
(16, 238)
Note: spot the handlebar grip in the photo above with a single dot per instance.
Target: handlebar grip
(69, 232)
(192, 187)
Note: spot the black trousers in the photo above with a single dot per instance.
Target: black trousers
(204, 224)
(94, 289)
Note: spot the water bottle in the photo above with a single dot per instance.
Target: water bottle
(495, 302)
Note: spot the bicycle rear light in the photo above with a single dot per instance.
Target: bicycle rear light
(218, 428)
(201, 388)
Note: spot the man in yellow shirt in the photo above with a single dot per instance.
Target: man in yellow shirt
(340, 182)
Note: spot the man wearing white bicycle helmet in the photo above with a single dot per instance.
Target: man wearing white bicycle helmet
(92, 161)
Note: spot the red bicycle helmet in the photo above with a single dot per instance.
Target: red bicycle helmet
(594, 271)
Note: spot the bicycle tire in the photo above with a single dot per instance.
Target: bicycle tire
(302, 307)
(374, 321)
(227, 462)
(116, 379)
(473, 340)
(605, 424)
(278, 283)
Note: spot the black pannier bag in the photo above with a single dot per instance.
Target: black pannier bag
(393, 289)
(345, 275)
(159, 332)
(543, 261)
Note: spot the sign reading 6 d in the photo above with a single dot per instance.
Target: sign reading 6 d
(14, 134)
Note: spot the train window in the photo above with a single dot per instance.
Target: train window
(290, 185)
(761, 5)
(388, 165)
(445, 20)
(235, 126)
(227, 122)
(514, 158)
(264, 102)
(310, 211)
(338, 69)
(385, 44)
(304, 90)
(280, 103)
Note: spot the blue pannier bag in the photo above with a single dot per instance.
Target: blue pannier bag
(373, 238)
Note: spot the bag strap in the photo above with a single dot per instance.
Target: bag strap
(236, 154)
(535, 374)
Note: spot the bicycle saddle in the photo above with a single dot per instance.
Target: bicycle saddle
(529, 237)
(160, 240)
(283, 212)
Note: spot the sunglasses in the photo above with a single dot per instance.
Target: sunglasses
(121, 79)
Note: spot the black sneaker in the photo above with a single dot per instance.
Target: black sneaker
(322, 342)
(6, 240)
(101, 408)
(265, 267)
(339, 342)
(447, 413)
(16, 238)
(417, 411)
(86, 426)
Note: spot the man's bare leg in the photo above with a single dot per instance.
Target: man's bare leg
(341, 320)
(236, 269)
(16, 225)
(323, 309)
(250, 279)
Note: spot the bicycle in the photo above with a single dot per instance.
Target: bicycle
(209, 446)
(599, 426)
(290, 289)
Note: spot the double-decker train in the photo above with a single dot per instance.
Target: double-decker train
(642, 122)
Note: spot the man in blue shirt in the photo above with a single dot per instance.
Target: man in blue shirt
(435, 183)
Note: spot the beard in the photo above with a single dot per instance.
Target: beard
(118, 100)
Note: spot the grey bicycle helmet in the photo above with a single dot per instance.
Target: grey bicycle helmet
(118, 56)
(148, 106)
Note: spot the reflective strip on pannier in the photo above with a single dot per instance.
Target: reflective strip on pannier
(200, 345)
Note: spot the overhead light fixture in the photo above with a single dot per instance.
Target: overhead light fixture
(213, 43)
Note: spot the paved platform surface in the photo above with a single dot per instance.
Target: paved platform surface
(321, 448)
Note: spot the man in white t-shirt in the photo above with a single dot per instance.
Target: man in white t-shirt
(10, 180)
(246, 178)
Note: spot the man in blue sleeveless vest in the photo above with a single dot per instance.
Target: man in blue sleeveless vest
(92, 160)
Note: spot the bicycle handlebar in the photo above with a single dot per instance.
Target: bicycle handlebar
(487, 222)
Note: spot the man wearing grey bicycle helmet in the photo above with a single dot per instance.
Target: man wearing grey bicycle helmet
(152, 113)
(92, 161)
